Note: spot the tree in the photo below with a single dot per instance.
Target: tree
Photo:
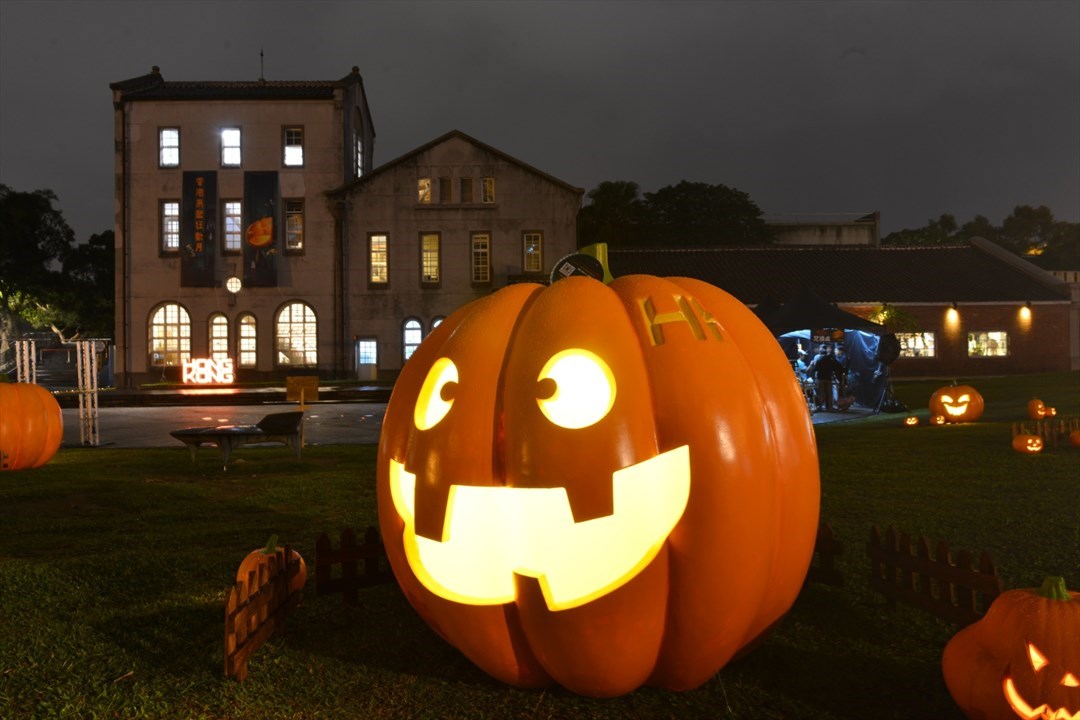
(942, 231)
(46, 280)
(614, 209)
(686, 214)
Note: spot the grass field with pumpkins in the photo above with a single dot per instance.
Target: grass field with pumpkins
(116, 566)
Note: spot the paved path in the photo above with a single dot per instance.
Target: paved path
(324, 423)
(130, 427)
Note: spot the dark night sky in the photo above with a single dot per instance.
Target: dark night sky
(911, 108)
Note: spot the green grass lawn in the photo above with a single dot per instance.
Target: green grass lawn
(114, 566)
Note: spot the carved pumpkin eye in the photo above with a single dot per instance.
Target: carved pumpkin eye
(436, 394)
(575, 389)
(1038, 660)
(946, 399)
(963, 399)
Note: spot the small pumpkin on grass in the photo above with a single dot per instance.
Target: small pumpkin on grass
(256, 559)
(1036, 409)
(1022, 660)
(1027, 444)
(957, 403)
(31, 426)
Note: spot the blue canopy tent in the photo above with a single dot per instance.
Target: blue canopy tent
(806, 321)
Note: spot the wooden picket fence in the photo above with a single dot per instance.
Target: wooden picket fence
(947, 588)
(1054, 431)
(823, 566)
(362, 565)
(256, 608)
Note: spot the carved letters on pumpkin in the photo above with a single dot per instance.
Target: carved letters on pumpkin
(686, 313)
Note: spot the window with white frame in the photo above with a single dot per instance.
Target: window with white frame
(294, 226)
(379, 271)
(234, 225)
(423, 191)
(296, 335)
(412, 335)
(429, 259)
(246, 343)
(230, 147)
(532, 252)
(916, 344)
(358, 150)
(293, 146)
(219, 337)
(993, 343)
(170, 336)
(487, 190)
(367, 351)
(169, 147)
(481, 257)
(170, 225)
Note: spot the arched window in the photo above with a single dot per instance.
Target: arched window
(169, 336)
(219, 337)
(437, 321)
(246, 356)
(411, 336)
(295, 337)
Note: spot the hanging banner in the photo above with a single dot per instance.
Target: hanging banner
(198, 229)
(260, 229)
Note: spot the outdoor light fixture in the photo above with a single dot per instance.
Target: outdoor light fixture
(952, 316)
(1025, 314)
(233, 285)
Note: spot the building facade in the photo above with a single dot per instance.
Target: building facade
(252, 230)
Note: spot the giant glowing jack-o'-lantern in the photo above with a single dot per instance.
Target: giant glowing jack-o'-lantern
(599, 486)
(1036, 409)
(31, 426)
(957, 403)
(1022, 660)
(1027, 444)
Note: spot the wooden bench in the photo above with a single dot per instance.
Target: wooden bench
(282, 428)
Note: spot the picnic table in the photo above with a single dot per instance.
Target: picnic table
(282, 428)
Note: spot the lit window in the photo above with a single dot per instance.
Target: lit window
(378, 259)
(988, 344)
(169, 147)
(294, 146)
(487, 190)
(367, 351)
(230, 147)
(234, 225)
(219, 337)
(296, 336)
(445, 184)
(358, 148)
(294, 225)
(916, 344)
(170, 336)
(247, 341)
(466, 190)
(437, 322)
(429, 258)
(481, 257)
(411, 337)
(423, 190)
(170, 226)
(533, 249)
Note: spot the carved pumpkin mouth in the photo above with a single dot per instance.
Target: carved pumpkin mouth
(490, 534)
(1042, 712)
(957, 408)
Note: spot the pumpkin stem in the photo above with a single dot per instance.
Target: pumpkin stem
(1053, 588)
(599, 251)
(271, 546)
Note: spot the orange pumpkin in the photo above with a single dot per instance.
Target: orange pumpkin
(911, 421)
(937, 419)
(600, 486)
(256, 559)
(261, 232)
(957, 403)
(1074, 438)
(1027, 444)
(31, 426)
(1036, 409)
(1022, 659)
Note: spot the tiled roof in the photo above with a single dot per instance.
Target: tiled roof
(850, 274)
